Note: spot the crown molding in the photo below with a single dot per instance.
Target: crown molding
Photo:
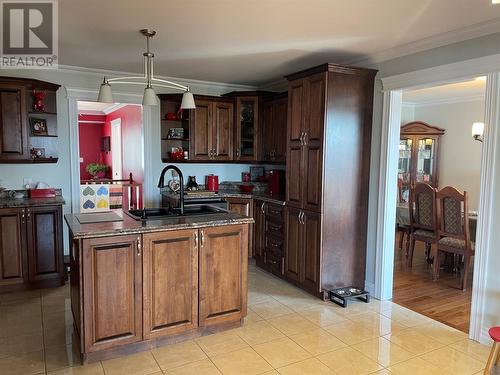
(187, 81)
(447, 100)
(454, 36)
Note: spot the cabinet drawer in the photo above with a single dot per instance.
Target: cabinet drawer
(274, 246)
(275, 264)
(274, 229)
(274, 213)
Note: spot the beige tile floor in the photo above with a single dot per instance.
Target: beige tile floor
(286, 332)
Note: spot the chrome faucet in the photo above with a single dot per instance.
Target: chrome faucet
(161, 184)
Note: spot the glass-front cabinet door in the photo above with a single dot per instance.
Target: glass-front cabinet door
(426, 159)
(404, 168)
(246, 128)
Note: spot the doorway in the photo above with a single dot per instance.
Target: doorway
(386, 205)
(437, 150)
(116, 146)
(110, 144)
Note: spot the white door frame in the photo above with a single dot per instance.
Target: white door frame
(76, 94)
(116, 126)
(391, 123)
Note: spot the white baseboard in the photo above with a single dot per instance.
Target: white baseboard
(485, 338)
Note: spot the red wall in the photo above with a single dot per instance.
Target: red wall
(90, 146)
(131, 120)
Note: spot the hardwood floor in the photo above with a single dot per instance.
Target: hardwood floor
(441, 300)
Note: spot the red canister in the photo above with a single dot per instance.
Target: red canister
(212, 182)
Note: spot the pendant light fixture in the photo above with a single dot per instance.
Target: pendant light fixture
(149, 98)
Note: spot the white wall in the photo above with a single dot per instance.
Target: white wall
(460, 154)
(407, 113)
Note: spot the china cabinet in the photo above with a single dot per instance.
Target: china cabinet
(418, 156)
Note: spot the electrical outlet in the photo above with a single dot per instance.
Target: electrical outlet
(81, 160)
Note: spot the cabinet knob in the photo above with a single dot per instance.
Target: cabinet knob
(29, 214)
(22, 216)
(237, 153)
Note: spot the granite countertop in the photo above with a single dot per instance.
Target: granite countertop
(276, 199)
(132, 226)
(30, 202)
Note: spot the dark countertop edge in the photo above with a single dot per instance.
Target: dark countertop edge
(162, 228)
(31, 202)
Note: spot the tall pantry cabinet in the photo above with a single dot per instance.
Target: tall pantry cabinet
(328, 163)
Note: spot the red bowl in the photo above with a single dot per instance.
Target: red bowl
(246, 188)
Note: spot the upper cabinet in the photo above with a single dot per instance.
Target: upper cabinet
(28, 121)
(247, 127)
(418, 155)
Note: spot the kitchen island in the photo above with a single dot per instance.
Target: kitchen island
(140, 284)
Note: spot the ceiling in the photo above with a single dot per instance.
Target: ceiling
(451, 93)
(258, 41)
(97, 108)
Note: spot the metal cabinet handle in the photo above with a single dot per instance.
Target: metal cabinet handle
(202, 238)
(263, 207)
(303, 218)
(196, 239)
(139, 246)
(306, 138)
(22, 216)
(273, 261)
(214, 154)
(29, 214)
(282, 265)
(301, 138)
(237, 153)
(301, 215)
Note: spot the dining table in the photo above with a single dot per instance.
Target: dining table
(403, 219)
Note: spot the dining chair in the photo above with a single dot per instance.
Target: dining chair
(402, 228)
(453, 230)
(423, 218)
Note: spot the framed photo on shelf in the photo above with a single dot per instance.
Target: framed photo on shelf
(38, 126)
(175, 133)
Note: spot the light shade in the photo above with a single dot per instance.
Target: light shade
(149, 97)
(188, 101)
(105, 93)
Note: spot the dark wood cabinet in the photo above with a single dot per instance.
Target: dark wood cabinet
(259, 231)
(212, 130)
(274, 119)
(305, 142)
(112, 301)
(31, 247)
(170, 271)
(132, 292)
(303, 248)
(419, 148)
(13, 254)
(201, 131)
(16, 112)
(246, 127)
(45, 248)
(269, 237)
(328, 163)
(13, 118)
(223, 274)
(222, 131)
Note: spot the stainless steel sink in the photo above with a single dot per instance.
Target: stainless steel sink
(166, 213)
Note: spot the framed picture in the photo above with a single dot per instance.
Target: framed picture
(37, 153)
(38, 126)
(175, 133)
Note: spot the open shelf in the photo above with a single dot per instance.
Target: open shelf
(47, 135)
(176, 139)
(32, 113)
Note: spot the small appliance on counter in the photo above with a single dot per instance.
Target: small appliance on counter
(276, 182)
(212, 182)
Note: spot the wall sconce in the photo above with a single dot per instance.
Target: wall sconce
(478, 131)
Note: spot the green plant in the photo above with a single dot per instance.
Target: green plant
(96, 168)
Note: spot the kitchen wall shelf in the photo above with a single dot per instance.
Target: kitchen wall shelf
(17, 141)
